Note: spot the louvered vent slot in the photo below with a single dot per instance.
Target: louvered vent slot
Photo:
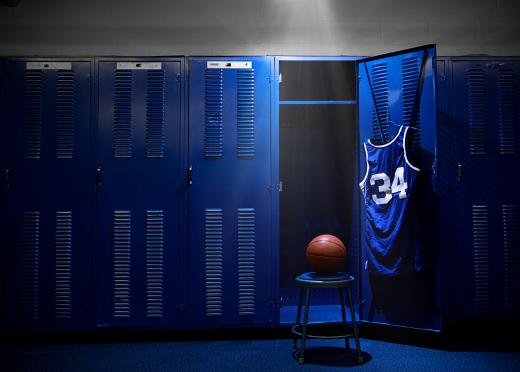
(511, 230)
(246, 113)
(65, 93)
(213, 260)
(506, 111)
(481, 257)
(410, 76)
(122, 129)
(246, 242)
(121, 269)
(213, 146)
(476, 112)
(154, 263)
(29, 265)
(155, 114)
(63, 265)
(32, 114)
(380, 92)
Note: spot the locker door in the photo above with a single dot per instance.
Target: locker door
(391, 82)
(487, 123)
(230, 259)
(48, 194)
(139, 193)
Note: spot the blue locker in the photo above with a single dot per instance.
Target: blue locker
(391, 82)
(48, 193)
(486, 128)
(447, 191)
(230, 252)
(140, 193)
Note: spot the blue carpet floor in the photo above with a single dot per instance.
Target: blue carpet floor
(245, 355)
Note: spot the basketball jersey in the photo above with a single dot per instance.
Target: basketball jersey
(390, 201)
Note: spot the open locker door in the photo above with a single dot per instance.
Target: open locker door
(398, 89)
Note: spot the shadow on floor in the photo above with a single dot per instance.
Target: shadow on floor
(333, 356)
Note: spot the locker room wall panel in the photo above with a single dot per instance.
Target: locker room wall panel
(485, 115)
(48, 202)
(230, 198)
(406, 301)
(140, 196)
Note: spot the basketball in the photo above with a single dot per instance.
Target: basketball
(326, 254)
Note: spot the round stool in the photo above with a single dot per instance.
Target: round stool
(327, 330)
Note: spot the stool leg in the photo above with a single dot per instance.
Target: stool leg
(343, 316)
(305, 321)
(298, 317)
(356, 335)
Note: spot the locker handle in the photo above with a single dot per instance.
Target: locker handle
(190, 175)
(459, 172)
(98, 176)
(7, 177)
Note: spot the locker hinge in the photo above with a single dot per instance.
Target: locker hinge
(271, 78)
(190, 175)
(278, 187)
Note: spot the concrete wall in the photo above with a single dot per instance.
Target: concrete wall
(240, 27)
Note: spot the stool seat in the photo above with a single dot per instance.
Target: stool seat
(315, 280)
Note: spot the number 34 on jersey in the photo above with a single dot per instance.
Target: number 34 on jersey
(386, 189)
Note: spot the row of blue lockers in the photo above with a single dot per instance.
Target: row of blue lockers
(95, 161)
(144, 192)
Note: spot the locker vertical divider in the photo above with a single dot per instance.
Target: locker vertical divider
(275, 196)
(3, 197)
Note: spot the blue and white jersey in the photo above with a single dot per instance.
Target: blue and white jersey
(388, 192)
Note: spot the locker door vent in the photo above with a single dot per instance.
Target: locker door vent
(213, 146)
(380, 87)
(506, 111)
(63, 265)
(481, 257)
(214, 261)
(511, 233)
(246, 113)
(122, 129)
(410, 76)
(122, 245)
(29, 265)
(32, 114)
(155, 114)
(246, 261)
(65, 102)
(476, 112)
(154, 263)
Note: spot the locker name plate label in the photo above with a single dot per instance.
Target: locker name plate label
(229, 64)
(139, 66)
(48, 66)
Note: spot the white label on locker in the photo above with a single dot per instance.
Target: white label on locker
(229, 64)
(139, 65)
(48, 66)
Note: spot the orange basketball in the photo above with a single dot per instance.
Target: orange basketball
(326, 254)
